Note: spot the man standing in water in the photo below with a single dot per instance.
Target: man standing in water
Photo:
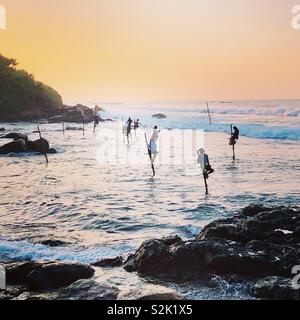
(129, 123)
(203, 160)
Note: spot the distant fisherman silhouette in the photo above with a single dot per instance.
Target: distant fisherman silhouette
(136, 124)
(203, 160)
(234, 136)
(96, 121)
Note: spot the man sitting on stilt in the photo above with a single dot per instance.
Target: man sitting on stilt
(203, 160)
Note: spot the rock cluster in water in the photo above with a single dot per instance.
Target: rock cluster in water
(21, 144)
(75, 114)
(260, 245)
(159, 116)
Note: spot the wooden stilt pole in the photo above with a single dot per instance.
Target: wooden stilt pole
(205, 182)
(45, 154)
(83, 126)
(150, 155)
(208, 112)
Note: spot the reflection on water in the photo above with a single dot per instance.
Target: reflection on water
(103, 209)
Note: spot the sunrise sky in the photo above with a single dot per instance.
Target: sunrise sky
(141, 50)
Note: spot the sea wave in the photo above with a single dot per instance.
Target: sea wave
(24, 250)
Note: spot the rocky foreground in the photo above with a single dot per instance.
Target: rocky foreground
(260, 246)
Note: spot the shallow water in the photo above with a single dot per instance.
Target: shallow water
(104, 208)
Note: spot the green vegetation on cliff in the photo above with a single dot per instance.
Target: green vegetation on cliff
(22, 97)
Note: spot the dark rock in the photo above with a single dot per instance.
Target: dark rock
(40, 145)
(253, 210)
(21, 144)
(181, 260)
(72, 128)
(275, 288)
(64, 274)
(15, 136)
(38, 280)
(52, 151)
(38, 296)
(11, 292)
(2, 129)
(53, 243)
(113, 262)
(250, 265)
(16, 273)
(49, 275)
(17, 146)
(76, 114)
(258, 242)
(159, 116)
(168, 241)
(151, 292)
(89, 290)
(256, 223)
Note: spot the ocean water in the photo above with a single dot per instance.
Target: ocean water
(97, 193)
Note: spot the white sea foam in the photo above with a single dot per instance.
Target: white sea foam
(24, 250)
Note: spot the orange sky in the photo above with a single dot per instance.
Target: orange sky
(120, 50)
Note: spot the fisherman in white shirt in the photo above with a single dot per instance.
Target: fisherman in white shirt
(153, 143)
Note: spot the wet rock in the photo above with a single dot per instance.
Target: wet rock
(111, 262)
(2, 129)
(159, 116)
(258, 242)
(21, 144)
(52, 151)
(40, 145)
(38, 280)
(249, 265)
(275, 288)
(89, 290)
(37, 276)
(38, 296)
(16, 273)
(275, 225)
(182, 260)
(74, 114)
(11, 292)
(53, 243)
(15, 136)
(68, 128)
(17, 146)
(151, 292)
(63, 274)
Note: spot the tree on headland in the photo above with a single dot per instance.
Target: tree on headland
(22, 97)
